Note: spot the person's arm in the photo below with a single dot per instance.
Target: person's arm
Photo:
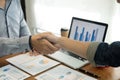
(15, 45)
(77, 47)
(86, 50)
(108, 54)
(11, 45)
(98, 53)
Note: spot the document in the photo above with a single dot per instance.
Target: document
(63, 73)
(32, 64)
(9, 72)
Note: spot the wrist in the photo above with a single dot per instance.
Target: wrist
(30, 42)
(59, 40)
(55, 39)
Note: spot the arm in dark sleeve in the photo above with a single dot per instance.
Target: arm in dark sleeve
(108, 54)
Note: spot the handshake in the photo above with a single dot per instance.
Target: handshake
(44, 43)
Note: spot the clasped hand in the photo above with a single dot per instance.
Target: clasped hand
(44, 43)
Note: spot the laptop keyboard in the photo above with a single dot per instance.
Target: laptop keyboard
(68, 60)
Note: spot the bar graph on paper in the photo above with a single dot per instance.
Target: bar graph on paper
(85, 35)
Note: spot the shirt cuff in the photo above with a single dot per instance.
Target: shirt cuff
(91, 52)
(24, 43)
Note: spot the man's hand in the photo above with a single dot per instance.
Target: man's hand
(52, 38)
(33, 53)
(42, 45)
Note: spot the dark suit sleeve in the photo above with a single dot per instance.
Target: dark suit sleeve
(108, 54)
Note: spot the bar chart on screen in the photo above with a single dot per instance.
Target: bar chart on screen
(84, 34)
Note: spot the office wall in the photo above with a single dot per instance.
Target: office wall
(115, 23)
(30, 14)
(98, 10)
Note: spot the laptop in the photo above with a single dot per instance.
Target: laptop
(81, 30)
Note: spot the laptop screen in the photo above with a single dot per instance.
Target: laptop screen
(87, 30)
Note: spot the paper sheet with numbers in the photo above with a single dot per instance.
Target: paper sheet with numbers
(10, 72)
(32, 64)
(63, 73)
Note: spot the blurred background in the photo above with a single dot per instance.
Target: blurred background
(52, 15)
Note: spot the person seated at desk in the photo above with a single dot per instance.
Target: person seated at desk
(15, 35)
(100, 54)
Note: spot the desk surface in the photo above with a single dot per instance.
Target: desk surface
(107, 73)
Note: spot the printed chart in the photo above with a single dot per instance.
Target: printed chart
(11, 73)
(32, 64)
(63, 73)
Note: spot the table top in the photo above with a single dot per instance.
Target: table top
(107, 73)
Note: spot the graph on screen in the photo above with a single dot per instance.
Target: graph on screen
(86, 30)
(85, 35)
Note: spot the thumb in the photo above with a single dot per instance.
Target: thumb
(57, 45)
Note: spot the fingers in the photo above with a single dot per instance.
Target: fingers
(33, 53)
(52, 47)
(49, 36)
(52, 38)
(57, 45)
(47, 47)
(43, 35)
(43, 46)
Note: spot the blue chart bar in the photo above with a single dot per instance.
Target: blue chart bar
(81, 38)
(85, 35)
(94, 35)
(76, 33)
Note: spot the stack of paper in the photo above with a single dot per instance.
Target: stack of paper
(11, 73)
(32, 64)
